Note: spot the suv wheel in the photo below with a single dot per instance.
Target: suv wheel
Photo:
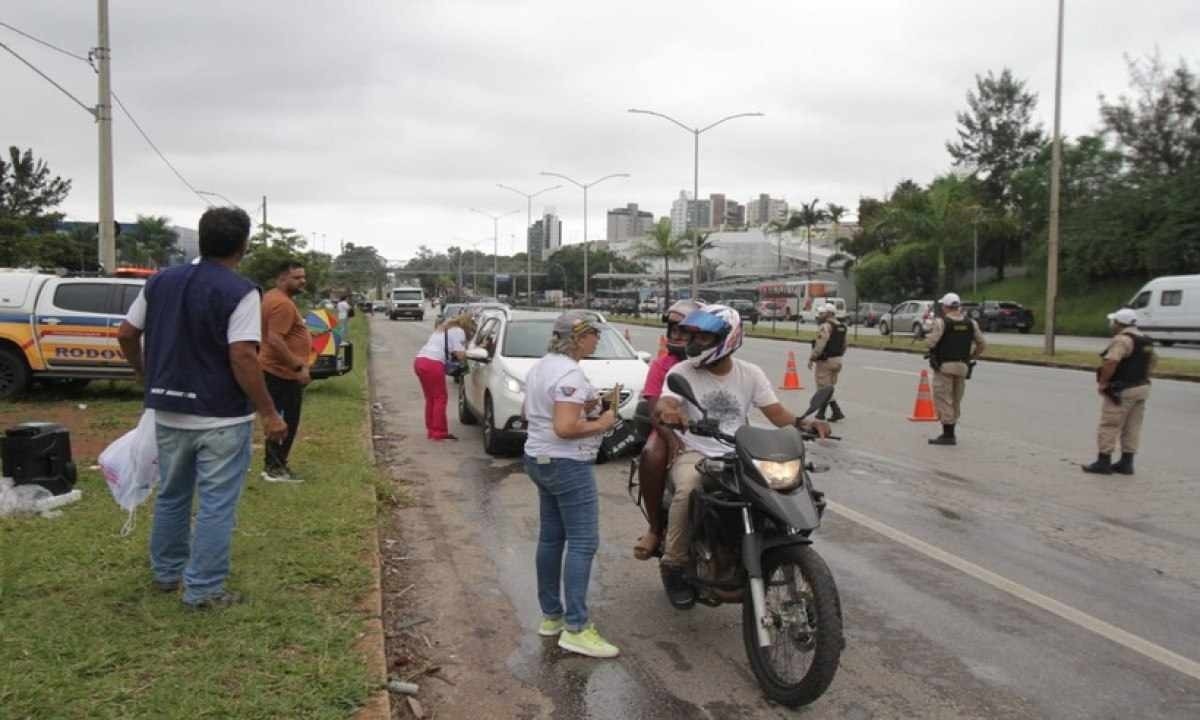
(491, 440)
(883, 327)
(465, 416)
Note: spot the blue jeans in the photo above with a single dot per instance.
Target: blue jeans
(213, 464)
(570, 517)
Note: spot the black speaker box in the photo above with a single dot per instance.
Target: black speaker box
(39, 454)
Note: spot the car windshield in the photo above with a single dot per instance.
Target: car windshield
(406, 294)
(529, 339)
(1010, 306)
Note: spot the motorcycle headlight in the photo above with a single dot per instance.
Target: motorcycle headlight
(779, 475)
(514, 385)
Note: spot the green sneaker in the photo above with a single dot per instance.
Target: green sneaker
(587, 642)
(551, 627)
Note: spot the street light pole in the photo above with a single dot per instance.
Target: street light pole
(1055, 179)
(586, 287)
(696, 132)
(495, 247)
(528, 224)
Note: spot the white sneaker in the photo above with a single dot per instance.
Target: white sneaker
(280, 476)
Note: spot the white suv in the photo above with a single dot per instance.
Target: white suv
(501, 354)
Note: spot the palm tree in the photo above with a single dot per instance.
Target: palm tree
(835, 212)
(698, 244)
(778, 228)
(946, 214)
(808, 216)
(660, 243)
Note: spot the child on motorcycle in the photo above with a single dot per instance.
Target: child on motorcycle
(728, 388)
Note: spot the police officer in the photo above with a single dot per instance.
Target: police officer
(828, 349)
(954, 342)
(1124, 384)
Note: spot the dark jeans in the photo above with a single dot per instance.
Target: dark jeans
(288, 396)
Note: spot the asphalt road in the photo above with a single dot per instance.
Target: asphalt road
(989, 580)
(1012, 337)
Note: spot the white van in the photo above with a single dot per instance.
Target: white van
(1168, 309)
(406, 302)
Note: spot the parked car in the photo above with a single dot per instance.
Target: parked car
(501, 354)
(1168, 309)
(772, 310)
(995, 315)
(838, 303)
(868, 314)
(910, 316)
(746, 309)
(475, 309)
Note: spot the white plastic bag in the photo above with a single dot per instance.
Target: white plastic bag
(32, 500)
(130, 466)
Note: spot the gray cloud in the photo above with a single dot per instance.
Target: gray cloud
(381, 123)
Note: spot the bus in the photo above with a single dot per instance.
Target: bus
(792, 299)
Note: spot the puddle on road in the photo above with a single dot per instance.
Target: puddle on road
(579, 687)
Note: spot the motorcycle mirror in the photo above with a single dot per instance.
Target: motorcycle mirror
(819, 399)
(681, 387)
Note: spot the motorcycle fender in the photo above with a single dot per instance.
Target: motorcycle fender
(794, 509)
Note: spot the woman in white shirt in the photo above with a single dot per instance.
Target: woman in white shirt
(447, 345)
(565, 425)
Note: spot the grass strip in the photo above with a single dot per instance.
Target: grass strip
(82, 634)
(1168, 368)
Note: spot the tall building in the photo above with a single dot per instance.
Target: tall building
(544, 237)
(764, 209)
(628, 223)
(726, 213)
(688, 214)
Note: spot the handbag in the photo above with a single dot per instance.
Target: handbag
(454, 368)
(625, 439)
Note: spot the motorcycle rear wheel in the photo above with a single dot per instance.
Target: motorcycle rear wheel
(804, 619)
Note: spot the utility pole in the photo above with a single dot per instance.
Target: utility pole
(264, 222)
(108, 239)
(585, 186)
(528, 224)
(1055, 179)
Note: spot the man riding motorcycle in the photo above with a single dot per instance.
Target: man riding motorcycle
(727, 387)
(662, 445)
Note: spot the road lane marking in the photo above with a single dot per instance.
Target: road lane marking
(894, 372)
(1133, 642)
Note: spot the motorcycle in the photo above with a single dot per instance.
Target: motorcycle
(752, 517)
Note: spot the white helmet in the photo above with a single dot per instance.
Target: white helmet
(951, 300)
(827, 309)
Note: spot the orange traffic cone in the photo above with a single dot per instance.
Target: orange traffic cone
(791, 378)
(662, 345)
(923, 410)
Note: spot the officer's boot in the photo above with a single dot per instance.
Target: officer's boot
(1124, 466)
(1103, 465)
(837, 412)
(946, 438)
(821, 413)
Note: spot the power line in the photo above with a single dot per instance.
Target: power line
(47, 78)
(90, 110)
(68, 53)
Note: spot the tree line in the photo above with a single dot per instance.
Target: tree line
(1129, 204)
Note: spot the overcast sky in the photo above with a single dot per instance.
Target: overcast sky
(381, 122)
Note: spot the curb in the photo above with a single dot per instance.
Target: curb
(371, 644)
(1011, 361)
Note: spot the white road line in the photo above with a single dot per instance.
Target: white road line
(894, 372)
(1139, 645)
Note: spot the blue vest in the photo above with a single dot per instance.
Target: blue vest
(186, 341)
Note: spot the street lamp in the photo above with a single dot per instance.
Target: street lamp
(586, 298)
(1055, 180)
(528, 224)
(696, 132)
(495, 246)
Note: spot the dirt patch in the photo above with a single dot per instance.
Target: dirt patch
(95, 415)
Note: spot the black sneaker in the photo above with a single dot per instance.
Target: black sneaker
(220, 601)
(680, 594)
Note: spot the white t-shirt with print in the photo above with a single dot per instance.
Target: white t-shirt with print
(728, 399)
(435, 347)
(556, 378)
(245, 325)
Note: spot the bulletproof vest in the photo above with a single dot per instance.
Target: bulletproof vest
(1135, 369)
(836, 345)
(955, 345)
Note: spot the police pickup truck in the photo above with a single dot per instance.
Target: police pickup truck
(61, 328)
(65, 329)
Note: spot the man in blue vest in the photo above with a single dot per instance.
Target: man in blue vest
(199, 363)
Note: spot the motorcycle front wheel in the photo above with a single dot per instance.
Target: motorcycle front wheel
(804, 621)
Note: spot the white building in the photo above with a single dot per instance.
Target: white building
(688, 214)
(748, 253)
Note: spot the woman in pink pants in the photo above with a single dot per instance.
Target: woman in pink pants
(448, 342)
